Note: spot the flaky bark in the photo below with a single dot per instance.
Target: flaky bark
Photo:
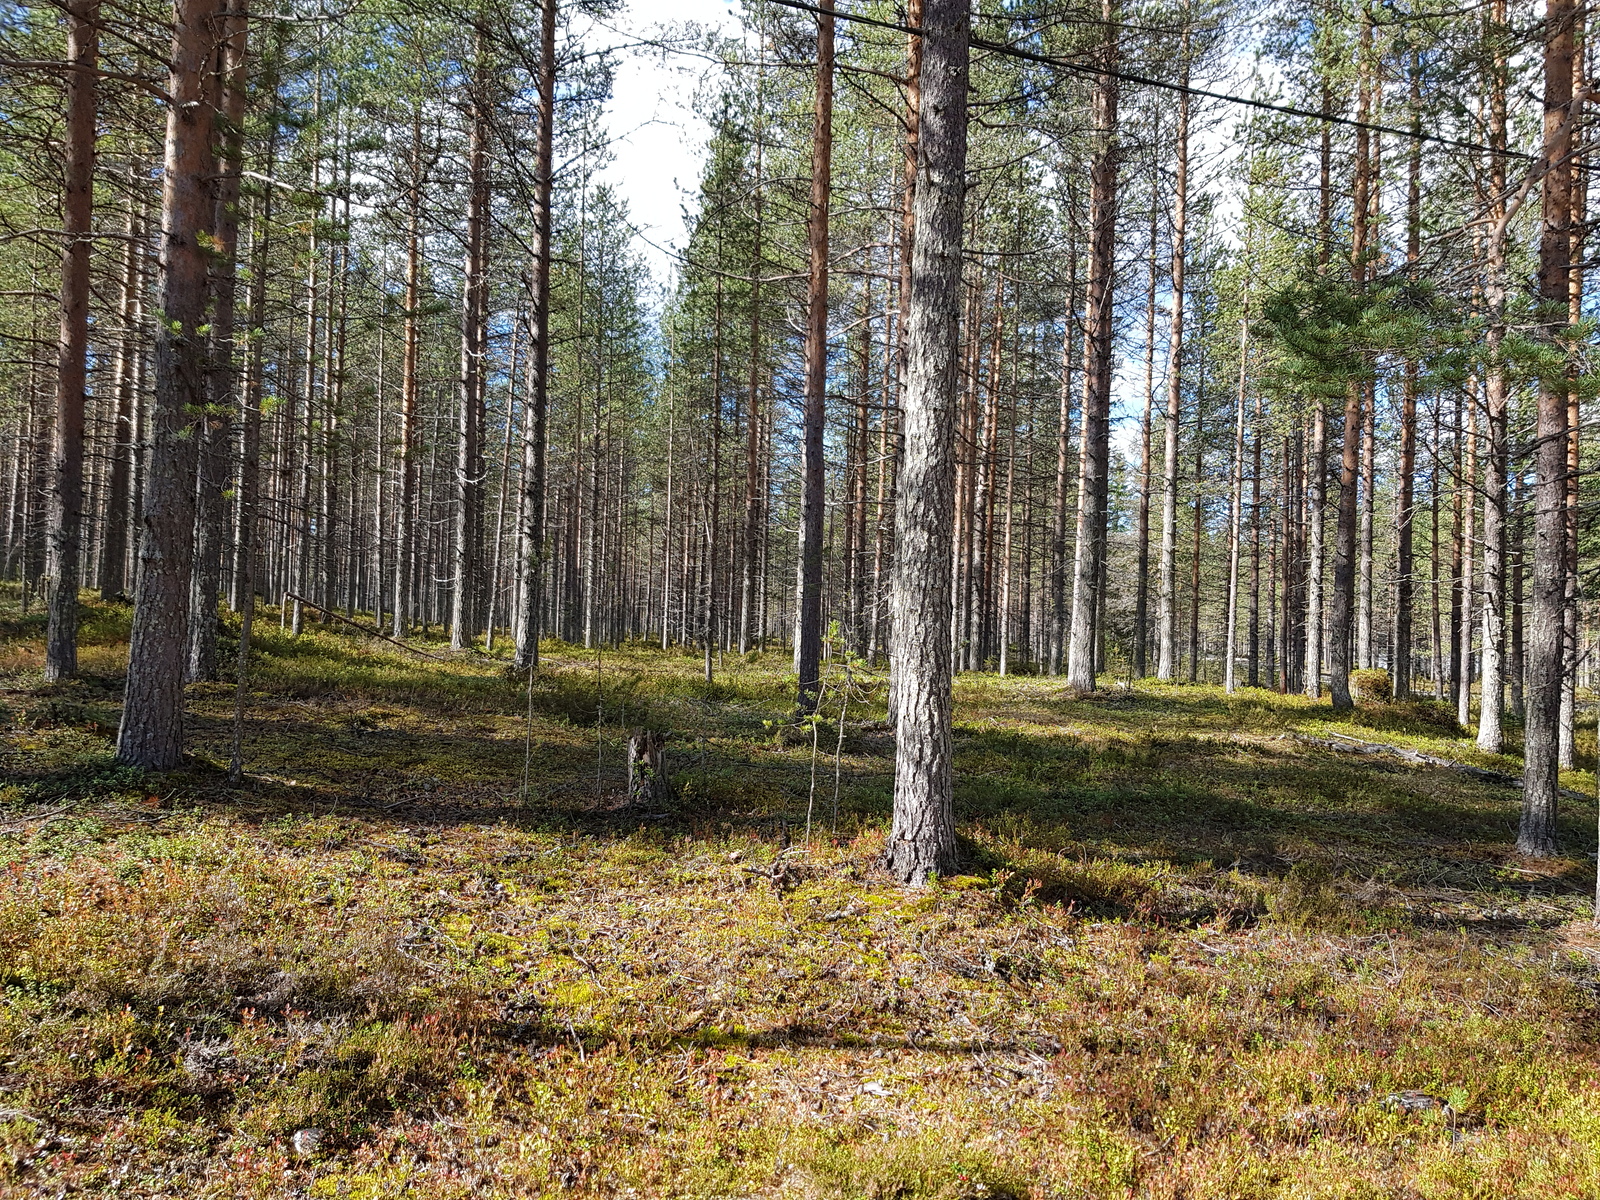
(922, 837)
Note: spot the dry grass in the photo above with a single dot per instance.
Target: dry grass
(1192, 953)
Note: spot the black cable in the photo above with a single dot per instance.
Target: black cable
(1185, 89)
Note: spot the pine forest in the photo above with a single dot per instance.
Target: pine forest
(1036, 638)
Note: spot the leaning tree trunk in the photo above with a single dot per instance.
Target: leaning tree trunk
(151, 734)
(922, 838)
(1540, 776)
(808, 634)
(66, 493)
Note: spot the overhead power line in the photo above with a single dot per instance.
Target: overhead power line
(1167, 85)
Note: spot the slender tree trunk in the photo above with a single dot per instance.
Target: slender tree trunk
(1141, 602)
(464, 608)
(151, 733)
(1540, 778)
(1577, 223)
(406, 557)
(1235, 504)
(114, 542)
(808, 639)
(1094, 475)
(77, 207)
(1491, 703)
(536, 393)
(1058, 540)
(922, 838)
(1166, 668)
(751, 556)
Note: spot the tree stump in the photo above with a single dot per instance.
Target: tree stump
(647, 767)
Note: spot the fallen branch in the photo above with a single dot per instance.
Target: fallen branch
(377, 633)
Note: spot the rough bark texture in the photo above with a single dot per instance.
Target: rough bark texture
(151, 734)
(808, 607)
(647, 767)
(66, 492)
(922, 838)
(464, 598)
(1540, 778)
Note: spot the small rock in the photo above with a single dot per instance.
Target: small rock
(306, 1141)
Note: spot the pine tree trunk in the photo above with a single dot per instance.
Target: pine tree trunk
(77, 208)
(212, 476)
(922, 838)
(1541, 786)
(1095, 460)
(405, 537)
(813, 500)
(464, 595)
(151, 733)
(114, 542)
(1491, 705)
(536, 398)
(1167, 617)
(1141, 602)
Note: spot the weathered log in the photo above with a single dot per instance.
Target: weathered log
(647, 767)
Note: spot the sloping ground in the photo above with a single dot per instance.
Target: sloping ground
(1193, 952)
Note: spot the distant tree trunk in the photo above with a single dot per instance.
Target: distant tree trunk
(1094, 474)
(406, 557)
(1236, 504)
(77, 210)
(750, 559)
(808, 639)
(1141, 603)
(1340, 629)
(1167, 664)
(114, 542)
(151, 733)
(1537, 833)
(1058, 540)
(1405, 485)
(922, 838)
(212, 475)
(536, 398)
(1491, 705)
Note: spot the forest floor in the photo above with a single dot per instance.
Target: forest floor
(1194, 950)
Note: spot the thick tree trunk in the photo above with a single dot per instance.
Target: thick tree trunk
(536, 399)
(922, 838)
(1540, 777)
(151, 734)
(813, 500)
(77, 210)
